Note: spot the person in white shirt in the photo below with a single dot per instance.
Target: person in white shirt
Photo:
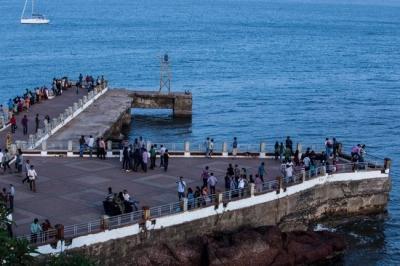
(212, 182)
(241, 185)
(32, 175)
(307, 163)
(162, 151)
(288, 173)
(145, 158)
(128, 198)
(90, 144)
(211, 148)
(181, 188)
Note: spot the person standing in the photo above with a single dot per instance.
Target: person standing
(241, 185)
(36, 229)
(289, 144)
(259, 184)
(281, 151)
(212, 182)
(37, 122)
(211, 148)
(82, 144)
(11, 195)
(153, 155)
(205, 175)
(102, 147)
(90, 145)
(19, 161)
(207, 144)
(145, 158)
(234, 147)
(13, 122)
(162, 151)
(288, 173)
(6, 160)
(261, 171)
(276, 149)
(166, 160)
(32, 175)
(24, 123)
(181, 188)
(125, 159)
(26, 169)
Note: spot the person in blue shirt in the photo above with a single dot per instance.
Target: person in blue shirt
(36, 229)
(261, 171)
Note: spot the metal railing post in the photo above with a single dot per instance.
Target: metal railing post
(187, 149)
(185, 204)
(109, 149)
(262, 150)
(70, 152)
(44, 148)
(224, 149)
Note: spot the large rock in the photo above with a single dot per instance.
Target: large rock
(260, 246)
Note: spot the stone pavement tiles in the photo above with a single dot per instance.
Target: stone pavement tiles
(71, 190)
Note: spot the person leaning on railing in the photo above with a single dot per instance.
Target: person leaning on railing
(36, 230)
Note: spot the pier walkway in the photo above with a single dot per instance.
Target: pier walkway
(104, 117)
(71, 190)
(52, 108)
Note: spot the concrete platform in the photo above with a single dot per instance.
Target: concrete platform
(71, 190)
(104, 117)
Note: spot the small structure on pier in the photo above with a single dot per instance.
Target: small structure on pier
(179, 102)
(165, 73)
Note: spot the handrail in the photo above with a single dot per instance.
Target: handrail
(72, 231)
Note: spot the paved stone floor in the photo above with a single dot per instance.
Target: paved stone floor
(53, 108)
(71, 190)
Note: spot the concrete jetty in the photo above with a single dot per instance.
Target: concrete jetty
(179, 102)
(105, 117)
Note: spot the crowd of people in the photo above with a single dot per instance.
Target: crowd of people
(23, 103)
(135, 156)
(88, 82)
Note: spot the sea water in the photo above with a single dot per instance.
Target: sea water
(258, 70)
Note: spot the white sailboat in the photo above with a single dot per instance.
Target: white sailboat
(35, 18)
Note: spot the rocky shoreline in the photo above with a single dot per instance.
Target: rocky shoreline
(255, 246)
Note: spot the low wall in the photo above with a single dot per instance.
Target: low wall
(338, 194)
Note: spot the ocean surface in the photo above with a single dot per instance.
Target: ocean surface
(258, 70)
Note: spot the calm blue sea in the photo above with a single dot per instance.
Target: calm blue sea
(257, 70)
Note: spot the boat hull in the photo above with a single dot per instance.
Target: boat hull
(35, 21)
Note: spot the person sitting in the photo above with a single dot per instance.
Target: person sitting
(131, 201)
(118, 202)
(110, 194)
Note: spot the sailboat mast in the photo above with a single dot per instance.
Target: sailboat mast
(32, 7)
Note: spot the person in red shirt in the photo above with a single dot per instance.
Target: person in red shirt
(13, 122)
